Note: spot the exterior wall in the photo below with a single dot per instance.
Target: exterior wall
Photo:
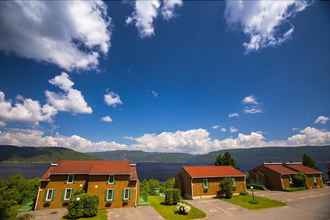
(310, 181)
(214, 188)
(93, 185)
(286, 181)
(97, 185)
(183, 182)
(270, 179)
(59, 183)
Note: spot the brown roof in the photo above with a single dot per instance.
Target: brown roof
(212, 171)
(280, 169)
(301, 168)
(90, 167)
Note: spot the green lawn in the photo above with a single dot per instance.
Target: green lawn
(101, 215)
(294, 189)
(168, 211)
(262, 202)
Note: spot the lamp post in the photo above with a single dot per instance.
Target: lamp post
(252, 193)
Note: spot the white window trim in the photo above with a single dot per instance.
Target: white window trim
(233, 181)
(67, 181)
(205, 180)
(113, 177)
(126, 199)
(65, 194)
(314, 179)
(47, 194)
(290, 180)
(112, 195)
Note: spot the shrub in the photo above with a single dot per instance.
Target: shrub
(172, 196)
(182, 208)
(299, 180)
(226, 186)
(82, 205)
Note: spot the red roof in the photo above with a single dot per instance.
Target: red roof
(212, 171)
(303, 169)
(90, 167)
(280, 168)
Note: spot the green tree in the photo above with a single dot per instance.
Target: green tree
(308, 161)
(225, 159)
(226, 187)
(299, 179)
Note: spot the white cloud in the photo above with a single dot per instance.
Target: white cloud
(223, 129)
(310, 136)
(233, 115)
(70, 34)
(145, 13)
(70, 100)
(169, 8)
(37, 138)
(250, 100)
(321, 120)
(112, 99)
(215, 126)
(107, 119)
(266, 23)
(233, 130)
(24, 110)
(252, 110)
(252, 105)
(154, 93)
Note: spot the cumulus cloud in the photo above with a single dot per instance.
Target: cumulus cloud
(112, 99)
(70, 34)
(233, 115)
(252, 106)
(145, 13)
(250, 100)
(24, 137)
(321, 120)
(215, 126)
(169, 8)
(265, 23)
(107, 119)
(24, 110)
(70, 100)
(310, 136)
(233, 130)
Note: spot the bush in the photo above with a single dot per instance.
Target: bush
(226, 186)
(182, 208)
(172, 196)
(82, 205)
(299, 180)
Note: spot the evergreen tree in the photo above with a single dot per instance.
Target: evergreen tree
(225, 160)
(308, 161)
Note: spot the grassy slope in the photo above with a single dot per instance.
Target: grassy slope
(263, 202)
(168, 211)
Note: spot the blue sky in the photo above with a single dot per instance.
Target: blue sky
(178, 68)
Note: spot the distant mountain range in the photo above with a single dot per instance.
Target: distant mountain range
(246, 158)
(39, 154)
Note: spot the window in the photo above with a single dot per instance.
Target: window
(67, 193)
(205, 183)
(233, 181)
(49, 195)
(314, 179)
(111, 180)
(70, 179)
(126, 194)
(110, 195)
(290, 180)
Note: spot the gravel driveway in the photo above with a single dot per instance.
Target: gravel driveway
(139, 213)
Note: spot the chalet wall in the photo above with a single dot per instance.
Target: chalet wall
(309, 182)
(183, 182)
(93, 185)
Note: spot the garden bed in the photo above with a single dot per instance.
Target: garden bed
(168, 211)
(246, 201)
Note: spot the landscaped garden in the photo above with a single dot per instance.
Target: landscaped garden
(247, 201)
(170, 211)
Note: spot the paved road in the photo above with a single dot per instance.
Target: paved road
(306, 205)
(139, 213)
